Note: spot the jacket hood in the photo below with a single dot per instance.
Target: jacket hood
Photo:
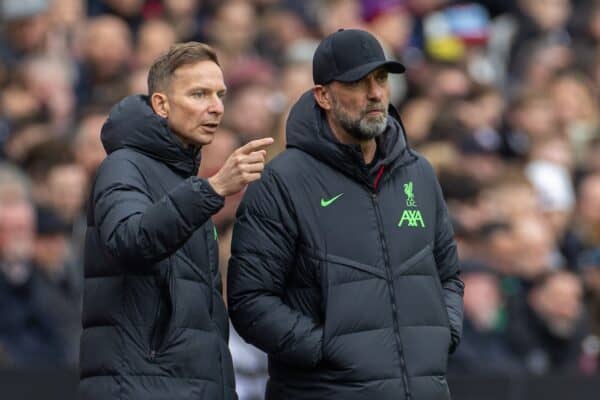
(134, 125)
(307, 129)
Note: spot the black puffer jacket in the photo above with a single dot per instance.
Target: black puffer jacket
(346, 275)
(155, 325)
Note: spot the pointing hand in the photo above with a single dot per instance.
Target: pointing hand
(243, 166)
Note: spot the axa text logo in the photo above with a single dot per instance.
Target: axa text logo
(411, 216)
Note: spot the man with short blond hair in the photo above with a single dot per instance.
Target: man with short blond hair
(155, 325)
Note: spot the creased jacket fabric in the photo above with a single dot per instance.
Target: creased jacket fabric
(155, 325)
(346, 274)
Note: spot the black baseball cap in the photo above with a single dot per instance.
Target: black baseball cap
(349, 55)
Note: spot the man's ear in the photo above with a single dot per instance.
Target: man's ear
(160, 104)
(322, 97)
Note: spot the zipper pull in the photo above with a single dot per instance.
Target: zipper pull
(152, 354)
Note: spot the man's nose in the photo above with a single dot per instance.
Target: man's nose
(216, 106)
(375, 90)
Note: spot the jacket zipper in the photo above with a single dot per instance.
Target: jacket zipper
(390, 284)
(155, 339)
(154, 335)
(211, 257)
(212, 235)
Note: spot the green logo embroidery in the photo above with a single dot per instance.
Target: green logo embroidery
(410, 196)
(414, 218)
(216, 236)
(326, 203)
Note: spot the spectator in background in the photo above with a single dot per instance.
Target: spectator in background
(531, 120)
(484, 348)
(593, 68)
(496, 244)
(481, 113)
(391, 23)
(136, 83)
(480, 158)
(89, 154)
(334, 14)
(584, 234)
(154, 39)
(87, 146)
(450, 82)
(60, 182)
(25, 29)
(19, 106)
(548, 329)
(592, 163)
(536, 253)
(283, 31)
(28, 333)
(106, 54)
(510, 198)
(295, 77)
(234, 30)
(185, 17)
(22, 139)
(463, 196)
(539, 22)
(418, 115)
(50, 80)
(67, 16)
(257, 100)
(129, 11)
(550, 171)
(52, 256)
(61, 277)
(576, 107)
(540, 64)
(588, 267)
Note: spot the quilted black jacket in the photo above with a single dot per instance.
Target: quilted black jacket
(155, 325)
(347, 274)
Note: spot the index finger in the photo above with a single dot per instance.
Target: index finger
(256, 144)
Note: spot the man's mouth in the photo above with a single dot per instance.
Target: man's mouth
(210, 126)
(375, 111)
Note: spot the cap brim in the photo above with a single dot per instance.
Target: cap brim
(364, 70)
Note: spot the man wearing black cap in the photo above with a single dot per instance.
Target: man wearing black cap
(344, 267)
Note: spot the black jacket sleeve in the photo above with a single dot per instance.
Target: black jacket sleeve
(134, 227)
(263, 248)
(446, 258)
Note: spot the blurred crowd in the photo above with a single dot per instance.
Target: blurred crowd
(502, 96)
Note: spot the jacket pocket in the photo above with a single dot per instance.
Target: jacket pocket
(354, 300)
(164, 313)
(420, 262)
(421, 314)
(419, 275)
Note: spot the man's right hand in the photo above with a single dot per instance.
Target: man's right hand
(242, 167)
